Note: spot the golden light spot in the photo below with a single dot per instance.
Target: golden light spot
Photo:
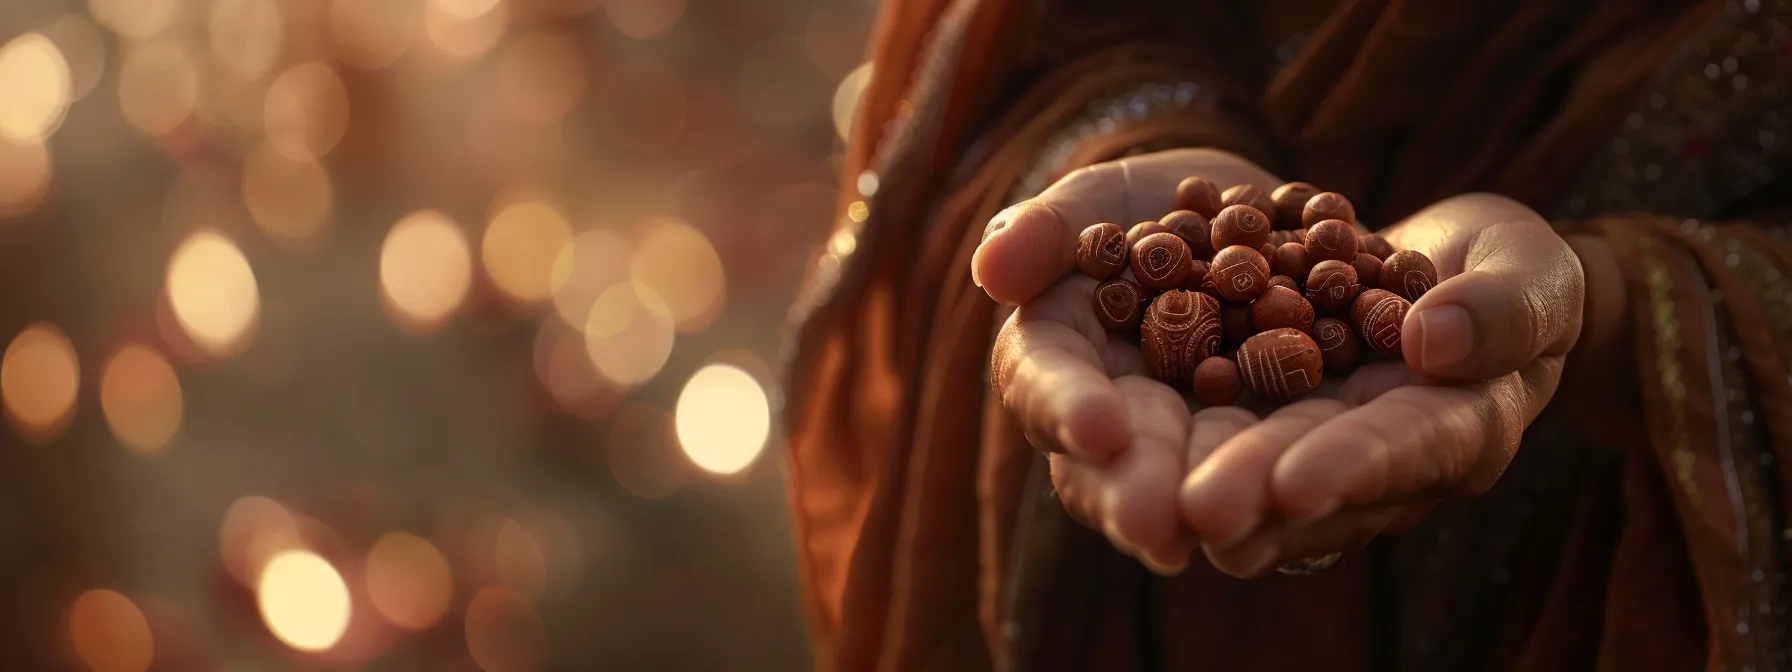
(157, 87)
(629, 333)
(681, 267)
(464, 9)
(306, 111)
(83, 47)
(246, 34)
(36, 81)
(520, 564)
(40, 377)
(213, 292)
(141, 399)
(857, 212)
(567, 373)
(540, 76)
(846, 99)
(464, 36)
(373, 34)
(520, 245)
(290, 199)
(109, 632)
(639, 449)
(723, 419)
(425, 270)
(138, 19)
(408, 580)
(642, 19)
(254, 530)
(504, 634)
(586, 266)
(303, 600)
(24, 175)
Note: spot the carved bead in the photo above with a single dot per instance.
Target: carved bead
(1332, 286)
(1291, 200)
(1101, 251)
(1248, 194)
(1180, 329)
(1161, 261)
(1408, 273)
(1280, 364)
(1119, 304)
(1200, 195)
(1331, 239)
(1240, 273)
(1378, 316)
(1327, 205)
(1337, 345)
(1281, 307)
(1240, 225)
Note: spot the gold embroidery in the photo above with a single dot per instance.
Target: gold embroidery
(1667, 364)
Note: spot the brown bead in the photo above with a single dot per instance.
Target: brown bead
(1180, 329)
(1251, 195)
(1291, 200)
(1197, 277)
(1290, 260)
(1280, 364)
(1192, 228)
(1217, 382)
(1268, 251)
(1368, 270)
(1282, 281)
(1327, 205)
(1332, 285)
(1378, 315)
(1337, 345)
(1331, 239)
(1142, 229)
(1207, 285)
(1240, 225)
(1375, 245)
(1101, 251)
(1408, 273)
(1235, 323)
(1240, 273)
(1200, 195)
(1119, 304)
(1161, 261)
(1280, 308)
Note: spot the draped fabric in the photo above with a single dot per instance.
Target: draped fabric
(1634, 531)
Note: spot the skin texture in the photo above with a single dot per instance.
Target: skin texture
(1369, 454)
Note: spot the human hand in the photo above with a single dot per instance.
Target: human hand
(1118, 438)
(1483, 354)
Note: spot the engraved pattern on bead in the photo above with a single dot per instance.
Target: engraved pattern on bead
(1280, 364)
(1180, 329)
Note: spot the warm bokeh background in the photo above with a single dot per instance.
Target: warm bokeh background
(406, 334)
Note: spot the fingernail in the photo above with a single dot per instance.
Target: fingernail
(1326, 509)
(1263, 560)
(997, 223)
(1243, 531)
(1447, 336)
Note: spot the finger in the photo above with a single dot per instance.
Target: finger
(1412, 442)
(1052, 366)
(1031, 245)
(1138, 488)
(1282, 543)
(1518, 297)
(1213, 426)
(1227, 496)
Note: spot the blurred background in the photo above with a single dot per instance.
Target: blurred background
(406, 334)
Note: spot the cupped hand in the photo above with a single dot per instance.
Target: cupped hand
(1118, 438)
(1483, 352)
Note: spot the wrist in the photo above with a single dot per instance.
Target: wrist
(1602, 348)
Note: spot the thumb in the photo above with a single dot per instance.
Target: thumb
(1518, 298)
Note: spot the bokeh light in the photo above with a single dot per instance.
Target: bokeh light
(303, 600)
(138, 19)
(83, 48)
(520, 245)
(408, 580)
(373, 34)
(253, 531)
(141, 398)
(425, 270)
(40, 376)
(35, 77)
(24, 175)
(246, 34)
(157, 87)
(629, 333)
(307, 111)
(846, 99)
(459, 35)
(723, 419)
(591, 263)
(642, 19)
(677, 262)
(213, 292)
(540, 75)
(109, 632)
(519, 561)
(290, 199)
(641, 452)
(566, 371)
(465, 9)
(504, 634)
